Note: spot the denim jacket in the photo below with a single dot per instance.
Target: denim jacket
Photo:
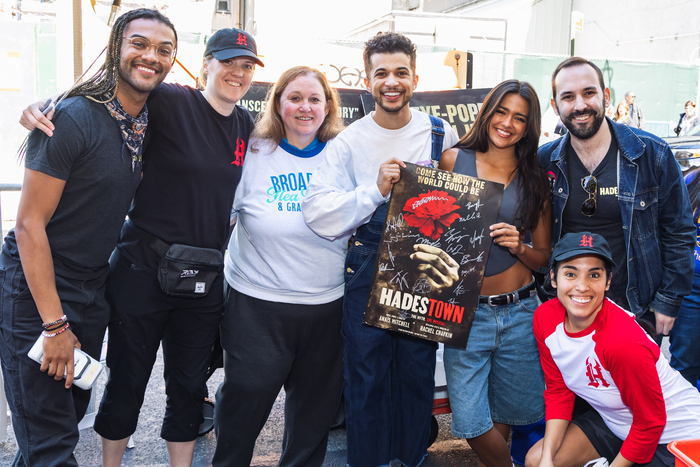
(656, 217)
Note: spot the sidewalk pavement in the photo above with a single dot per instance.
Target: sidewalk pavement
(149, 449)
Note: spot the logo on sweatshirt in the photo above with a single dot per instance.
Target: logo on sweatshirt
(595, 374)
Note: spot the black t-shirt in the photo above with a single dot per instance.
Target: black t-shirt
(87, 152)
(192, 165)
(607, 220)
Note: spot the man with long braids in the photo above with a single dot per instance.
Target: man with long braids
(78, 186)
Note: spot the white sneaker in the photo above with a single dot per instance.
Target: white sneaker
(600, 462)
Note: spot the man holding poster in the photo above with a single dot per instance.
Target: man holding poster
(388, 376)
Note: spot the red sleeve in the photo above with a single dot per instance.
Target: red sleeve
(558, 399)
(631, 358)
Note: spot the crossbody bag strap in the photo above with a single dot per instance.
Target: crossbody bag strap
(155, 243)
(159, 246)
(437, 134)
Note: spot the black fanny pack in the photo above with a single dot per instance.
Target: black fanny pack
(187, 271)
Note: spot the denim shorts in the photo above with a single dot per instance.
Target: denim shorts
(498, 377)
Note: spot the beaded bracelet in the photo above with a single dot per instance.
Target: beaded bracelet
(54, 328)
(60, 320)
(54, 334)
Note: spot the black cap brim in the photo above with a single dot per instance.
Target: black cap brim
(587, 251)
(233, 53)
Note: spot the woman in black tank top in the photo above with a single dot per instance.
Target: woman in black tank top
(497, 380)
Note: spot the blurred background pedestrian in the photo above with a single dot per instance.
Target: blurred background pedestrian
(622, 114)
(688, 120)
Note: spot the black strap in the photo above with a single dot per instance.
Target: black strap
(155, 243)
(159, 246)
(507, 298)
(438, 134)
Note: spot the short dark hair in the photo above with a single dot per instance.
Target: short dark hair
(576, 61)
(388, 43)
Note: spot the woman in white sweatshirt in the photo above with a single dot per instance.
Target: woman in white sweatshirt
(281, 325)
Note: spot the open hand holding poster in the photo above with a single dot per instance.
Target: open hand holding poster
(432, 254)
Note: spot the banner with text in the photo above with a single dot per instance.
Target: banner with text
(458, 107)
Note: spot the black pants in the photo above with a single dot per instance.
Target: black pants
(142, 316)
(45, 414)
(608, 445)
(269, 345)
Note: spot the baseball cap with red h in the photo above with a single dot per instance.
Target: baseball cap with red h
(231, 43)
(582, 243)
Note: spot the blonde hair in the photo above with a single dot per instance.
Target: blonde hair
(617, 110)
(270, 125)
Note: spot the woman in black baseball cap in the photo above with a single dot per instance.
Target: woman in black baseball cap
(198, 141)
(231, 43)
(592, 348)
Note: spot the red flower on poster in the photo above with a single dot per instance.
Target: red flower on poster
(431, 212)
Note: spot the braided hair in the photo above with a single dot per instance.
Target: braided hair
(106, 80)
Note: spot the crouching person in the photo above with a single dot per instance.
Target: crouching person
(592, 348)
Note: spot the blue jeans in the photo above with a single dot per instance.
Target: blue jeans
(498, 377)
(389, 377)
(685, 336)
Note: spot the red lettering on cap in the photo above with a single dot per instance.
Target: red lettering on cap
(587, 240)
(241, 39)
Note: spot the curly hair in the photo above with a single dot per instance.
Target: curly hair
(106, 80)
(270, 125)
(388, 43)
(533, 185)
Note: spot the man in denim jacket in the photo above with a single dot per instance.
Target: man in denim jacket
(625, 185)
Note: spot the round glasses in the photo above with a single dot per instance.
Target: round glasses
(143, 45)
(590, 184)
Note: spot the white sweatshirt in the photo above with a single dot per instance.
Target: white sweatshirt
(273, 255)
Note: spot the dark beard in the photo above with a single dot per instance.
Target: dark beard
(583, 132)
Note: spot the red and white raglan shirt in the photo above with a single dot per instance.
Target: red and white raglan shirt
(619, 370)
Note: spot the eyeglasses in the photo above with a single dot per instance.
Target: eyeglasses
(590, 184)
(143, 45)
